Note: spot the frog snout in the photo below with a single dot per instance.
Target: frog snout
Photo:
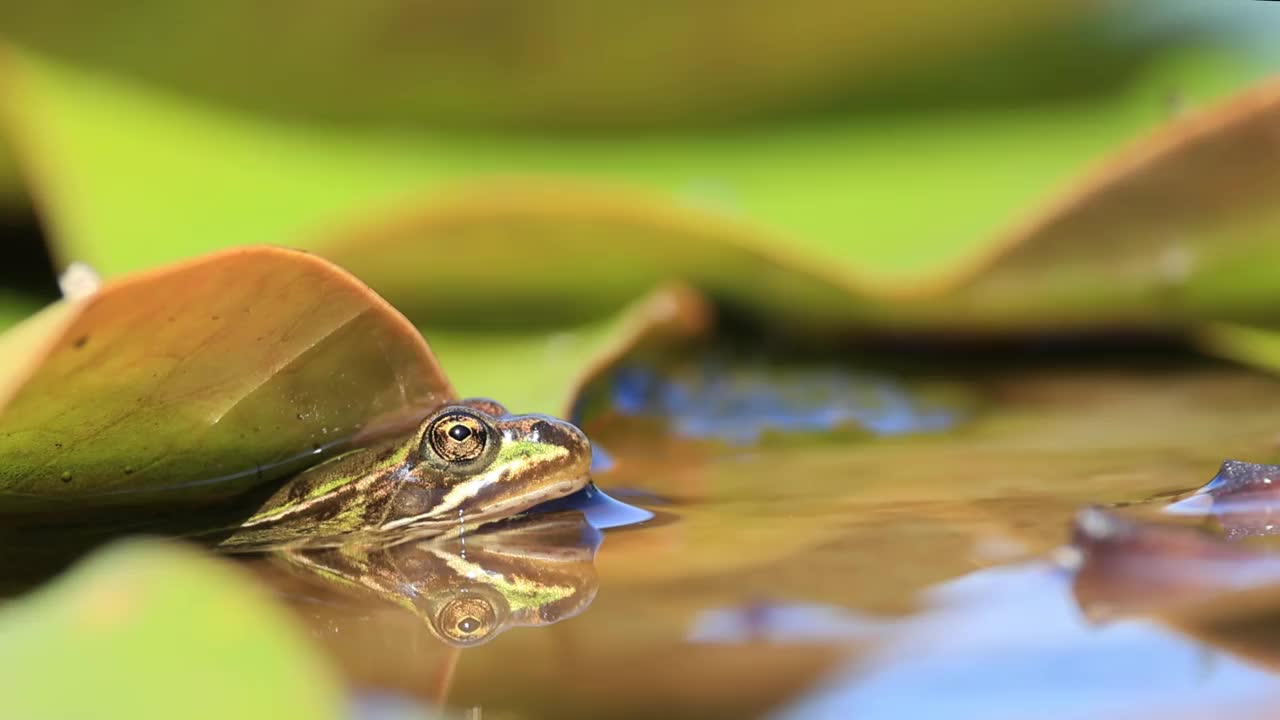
(569, 437)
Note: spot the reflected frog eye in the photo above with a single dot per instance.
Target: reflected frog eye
(466, 620)
(457, 436)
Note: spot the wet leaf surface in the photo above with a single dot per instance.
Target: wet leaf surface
(197, 381)
(146, 629)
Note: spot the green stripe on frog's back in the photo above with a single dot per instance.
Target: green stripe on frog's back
(350, 483)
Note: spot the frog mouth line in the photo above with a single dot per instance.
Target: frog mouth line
(495, 511)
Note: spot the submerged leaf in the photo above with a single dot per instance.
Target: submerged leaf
(153, 630)
(196, 381)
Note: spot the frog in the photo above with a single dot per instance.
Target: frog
(467, 463)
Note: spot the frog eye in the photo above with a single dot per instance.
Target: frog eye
(467, 620)
(457, 436)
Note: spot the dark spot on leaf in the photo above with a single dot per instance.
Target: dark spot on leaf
(80, 341)
(128, 470)
(215, 318)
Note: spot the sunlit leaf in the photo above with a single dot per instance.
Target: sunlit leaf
(868, 206)
(196, 381)
(611, 63)
(546, 371)
(1256, 346)
(151, 630)
(1183, 224)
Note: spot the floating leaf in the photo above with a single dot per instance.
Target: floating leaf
(1252, 345)
(196, 381)
(850, 244)
(566, 63)
(1179, 226)
(145, 629)
(546, 371)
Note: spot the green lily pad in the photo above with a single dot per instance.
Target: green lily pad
(15, 307)
(145, 629)
(878, 201)
(541, 371)
(1179, 226)
(604, 63)
(1257, 346)
(194, 382)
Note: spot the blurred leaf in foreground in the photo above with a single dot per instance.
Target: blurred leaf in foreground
(145, 629)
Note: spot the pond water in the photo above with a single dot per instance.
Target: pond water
(839, 574)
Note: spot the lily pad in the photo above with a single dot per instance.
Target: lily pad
(1182, 225)
(605, 63)
(547, 371)
(722, 210)
(196, 381)
(1258, 346)
(145, 629)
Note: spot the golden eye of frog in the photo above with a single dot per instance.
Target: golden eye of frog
(467, 463)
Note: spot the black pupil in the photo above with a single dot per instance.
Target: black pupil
(459, 432)
(468, 625)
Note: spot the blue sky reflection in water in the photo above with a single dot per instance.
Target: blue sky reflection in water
(1011, 643)
(740, 405)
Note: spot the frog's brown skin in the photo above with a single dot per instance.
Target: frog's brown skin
(529, 571)
(466, 464)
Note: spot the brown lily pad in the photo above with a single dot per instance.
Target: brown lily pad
(198, 380)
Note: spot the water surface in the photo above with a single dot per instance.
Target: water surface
(902, 575)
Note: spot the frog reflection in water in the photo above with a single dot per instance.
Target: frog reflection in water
(467, 464)
(528, 571)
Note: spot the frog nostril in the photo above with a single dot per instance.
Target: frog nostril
(544, 430)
